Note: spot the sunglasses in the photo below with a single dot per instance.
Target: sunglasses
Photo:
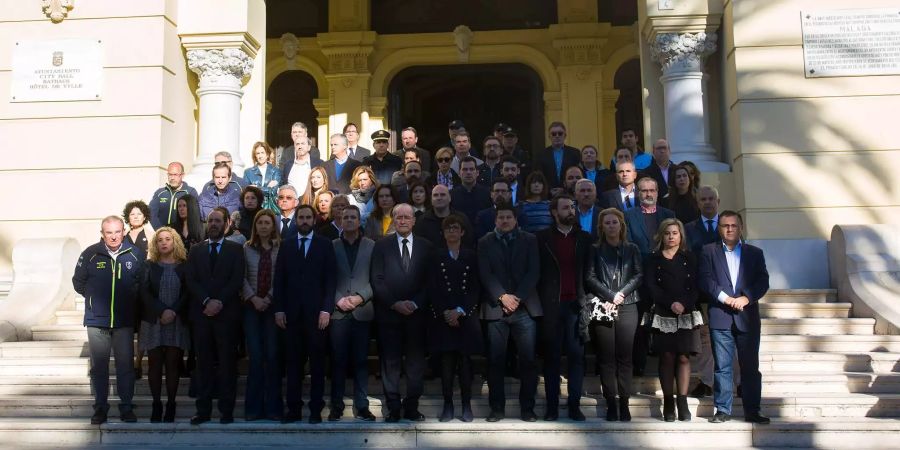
(444, 160)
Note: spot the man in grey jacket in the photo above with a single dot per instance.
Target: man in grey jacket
(352, 316)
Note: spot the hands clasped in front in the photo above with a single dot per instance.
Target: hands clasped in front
(737, 303)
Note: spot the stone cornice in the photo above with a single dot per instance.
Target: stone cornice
(347, 52)
(241, 41)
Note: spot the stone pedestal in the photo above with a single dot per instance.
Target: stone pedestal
(219, 93)
(682, 56)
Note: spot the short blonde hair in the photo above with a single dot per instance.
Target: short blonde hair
(444, 151)
(179, 252)
(623, 235)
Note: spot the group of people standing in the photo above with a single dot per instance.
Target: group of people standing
(305, 262)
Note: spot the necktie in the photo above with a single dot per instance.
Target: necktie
(213, 254)
(709, 226)
(404, 257)
(303, 246)
(628, 201)
(352, 152)
(285, 224)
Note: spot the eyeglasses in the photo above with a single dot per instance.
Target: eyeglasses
(444, 160)
(558, 133)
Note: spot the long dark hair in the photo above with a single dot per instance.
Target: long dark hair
(194, 225)
(377, 212)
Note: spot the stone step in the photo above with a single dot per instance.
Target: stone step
(805, 310)
(43, 349)
(69, 317)
(807, 405)
(818, 327)
(830, 343)
(800, 296)
(780, 384)
(510, 433)
(58, 333)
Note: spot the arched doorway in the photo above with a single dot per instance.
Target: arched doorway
(629, 106)
(291, 95)
(481, 95)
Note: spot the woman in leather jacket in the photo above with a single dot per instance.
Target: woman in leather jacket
(613, 277)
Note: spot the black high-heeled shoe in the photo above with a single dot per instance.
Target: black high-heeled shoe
(169, 417)
(684, 413)
(668, 408)
(447, 413)
(156, 412)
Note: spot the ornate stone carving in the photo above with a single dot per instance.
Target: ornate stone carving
(684, 51)
(462, 36)
(290, 45)
(582, 73)
(57, 10)
(575, 52)
(215, 64)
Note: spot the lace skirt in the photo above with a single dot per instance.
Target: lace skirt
(678, 334)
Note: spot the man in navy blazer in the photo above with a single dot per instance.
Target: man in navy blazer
(734, 274)
(399, 273)
(303, 302)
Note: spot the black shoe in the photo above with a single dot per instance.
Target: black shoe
(467, 415)
(447, 412)
(684, 413)
(128, 417)
(757, 418)
(576, 414)
(668, 408)
(99, 416)
(737, 392)
(169, 416)
(720, 417)
(496, 416)
(612, 409)
(315, 418)
(528, 415)
(551, 416)
(198, 419)
(701, 390)
(414, 416)
(392, 417)
(335, 415)
(291, 417)
(156, 412)
(624, 412)
(225, 420)
(365, 414)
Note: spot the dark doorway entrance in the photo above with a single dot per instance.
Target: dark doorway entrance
(629, 106)
(481, 95)
(291, 95)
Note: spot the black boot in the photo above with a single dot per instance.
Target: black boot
(447, 414)
(683, 412)
(169, 417)
(668, 408)
(156, 412)
(612, 409)
(467, 415)
(624, 412)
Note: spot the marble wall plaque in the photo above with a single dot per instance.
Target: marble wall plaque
(851, 42)
(57, 70)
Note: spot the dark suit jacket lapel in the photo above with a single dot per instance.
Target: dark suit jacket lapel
(723, 263)
(743, 264)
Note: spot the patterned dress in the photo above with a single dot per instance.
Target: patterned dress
(175, 334)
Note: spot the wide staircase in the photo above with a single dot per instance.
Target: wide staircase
(828, 381)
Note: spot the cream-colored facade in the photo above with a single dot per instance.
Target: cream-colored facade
(795, 155)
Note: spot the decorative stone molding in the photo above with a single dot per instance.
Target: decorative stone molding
(462, 37)
(290, 45)
(57, 10)
(216, 64)
(574, 52)
(682, 51)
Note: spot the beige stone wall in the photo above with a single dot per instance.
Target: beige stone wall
(807, 153)
(68, 164)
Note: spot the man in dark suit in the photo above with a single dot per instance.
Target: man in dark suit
(564, 255)
(469, 197)
(214, 275)
(352, 317)
(484, 220)
(303, 302)
(340, 167)
(586, 207)
(409, 138)
(287, 202)
(734, 274)
(299, 133)
(295, 171)
(512, 174)
(641, 224)
(399, 274)
(508, 266)
(662, 169)
(382, 162)
(623, 197)
(355, 151)
(556, 158)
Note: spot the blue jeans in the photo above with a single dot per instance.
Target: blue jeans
(747, 344)
(349, 348)
(263, 397)
(121, 342)
(523, 329)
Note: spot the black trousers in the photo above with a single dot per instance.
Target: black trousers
(349, 348)
(402, 343)
(613, 343)
(564, 340)
(304, 341)
(216, 341)
(523, 330)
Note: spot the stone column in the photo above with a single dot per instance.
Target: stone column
(682, 56)
(221, 72)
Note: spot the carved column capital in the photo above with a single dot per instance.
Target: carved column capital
(220, 64)
(682, 51)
